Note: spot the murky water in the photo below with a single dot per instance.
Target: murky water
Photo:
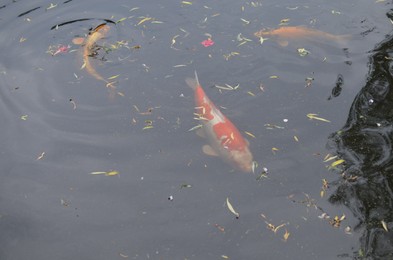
(161, 197)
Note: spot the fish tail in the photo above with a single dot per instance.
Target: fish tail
(193, 83)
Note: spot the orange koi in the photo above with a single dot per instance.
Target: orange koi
(224, 138)
(89, 48)
(285, 33)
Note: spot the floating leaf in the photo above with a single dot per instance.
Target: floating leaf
(274, 77)
(314, 116)
(384, 225)
(296, 139)
(329, 157)
(121, 20)
(302, 52)
(338, 162)
(110, 173)
(24, 117)
(51, 6)
(228, 87)
(245, 21)
(262, 40)
(186, 3)
(286, 235)
(113, 77)
(83, 65)
(40, 156)
(144, 20)
(185, 186)
(231, 209)
(249, 134)
(254, 166)
(228, 56)
(284, 21)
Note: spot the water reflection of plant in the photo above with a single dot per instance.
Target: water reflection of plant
(365, 143)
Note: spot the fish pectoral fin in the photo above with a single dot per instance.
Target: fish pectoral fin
(208, 150)
(283, 43)
(200, 133)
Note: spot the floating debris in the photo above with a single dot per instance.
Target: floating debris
(208, 42)
(302, 52)
(312, 116)
(40, 156)
(384, 225)
(336, 221)
(110, 173)
(231, 209)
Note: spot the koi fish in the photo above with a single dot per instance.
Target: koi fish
(224, 138)
(285, 33)
(89, 48)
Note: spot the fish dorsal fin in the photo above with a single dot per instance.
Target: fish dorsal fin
(78, 40)
(283, 43)
(208, 150)
(200, 133)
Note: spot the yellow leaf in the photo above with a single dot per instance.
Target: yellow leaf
(121, 20)
(249, 134)
(338, 162)
(314, 116)
(83, 65)
(112, 173)
(296, 139)
(231, 209)
(186, 2)
(286, 235)
(274, 77)
(250, 93)
(113, 77)
(144, 20)
(22, 39)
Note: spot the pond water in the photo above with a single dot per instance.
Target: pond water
(104, 163)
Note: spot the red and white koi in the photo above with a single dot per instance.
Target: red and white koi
(225, 139)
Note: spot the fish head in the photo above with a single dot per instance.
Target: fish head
(242, 159)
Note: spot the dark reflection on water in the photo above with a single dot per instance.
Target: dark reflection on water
(365, 143)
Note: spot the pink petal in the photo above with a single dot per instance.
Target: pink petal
(207, 43)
